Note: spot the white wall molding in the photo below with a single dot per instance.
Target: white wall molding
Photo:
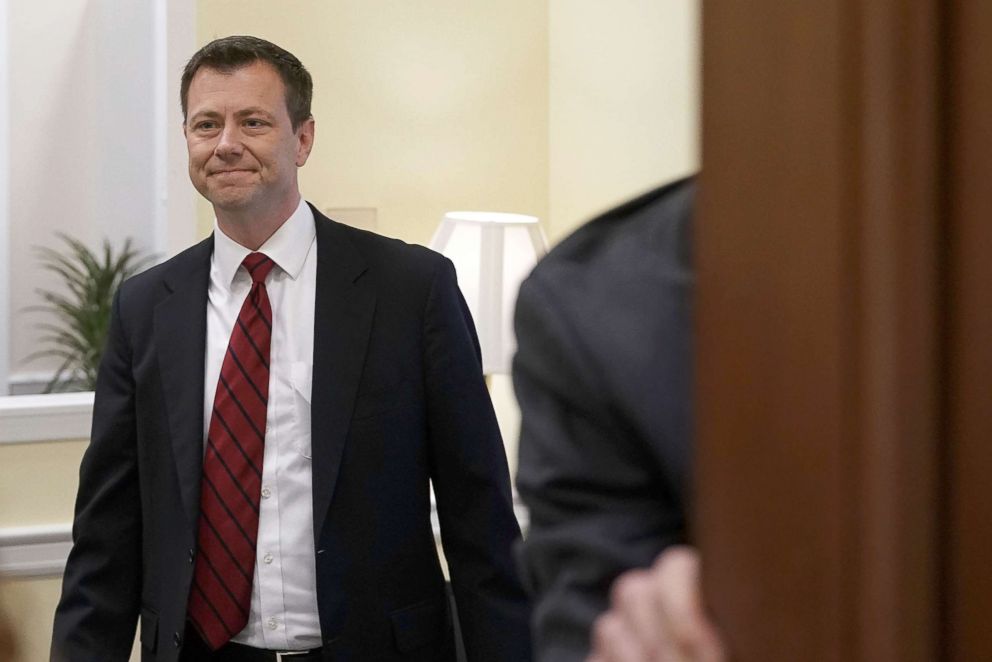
(26, 419)
(35, 551)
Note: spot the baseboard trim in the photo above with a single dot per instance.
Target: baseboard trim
(27, 419)
(35, 551)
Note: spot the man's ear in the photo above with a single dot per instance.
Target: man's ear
(304, 135)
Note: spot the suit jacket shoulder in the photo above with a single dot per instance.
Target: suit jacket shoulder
(654, 225)
(618, 291)
(376, 248)
(603, 378)
(145, 287)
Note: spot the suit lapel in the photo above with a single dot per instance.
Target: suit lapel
(181, 340)
(345, 302)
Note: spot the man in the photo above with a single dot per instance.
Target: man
(270, 407)
(603, 376)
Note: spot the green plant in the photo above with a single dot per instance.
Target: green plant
(82, 307)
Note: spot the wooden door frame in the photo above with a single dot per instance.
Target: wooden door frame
(843, 248)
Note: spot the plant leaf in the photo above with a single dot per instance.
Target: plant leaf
(80, 309)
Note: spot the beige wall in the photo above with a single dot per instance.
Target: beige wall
(29, 605)
(38, 484)
(623, 102)
(420, 107)
(558, 108)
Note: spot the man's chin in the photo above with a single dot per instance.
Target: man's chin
(230, 199)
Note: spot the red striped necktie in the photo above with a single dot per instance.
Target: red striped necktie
(220, 598)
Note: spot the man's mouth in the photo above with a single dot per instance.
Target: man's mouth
(229, 171)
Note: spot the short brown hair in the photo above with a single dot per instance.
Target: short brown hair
(229, 54)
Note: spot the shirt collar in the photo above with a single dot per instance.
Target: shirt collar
(287, 247)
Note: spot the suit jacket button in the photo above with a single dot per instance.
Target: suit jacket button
(192, 554)
(177, 639)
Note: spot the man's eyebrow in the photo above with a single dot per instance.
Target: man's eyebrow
(253, 110)
(246, 112)
(203, 114)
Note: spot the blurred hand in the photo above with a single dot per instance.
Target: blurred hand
(657, 615)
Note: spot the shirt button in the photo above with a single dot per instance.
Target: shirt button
(272, 623)
(267, 558)
(266, 492)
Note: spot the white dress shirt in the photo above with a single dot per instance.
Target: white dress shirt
(284, 596)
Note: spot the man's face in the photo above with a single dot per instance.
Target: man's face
(243, 152)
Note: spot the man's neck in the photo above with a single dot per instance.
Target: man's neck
(250, 227)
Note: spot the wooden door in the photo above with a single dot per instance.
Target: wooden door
(844, 354)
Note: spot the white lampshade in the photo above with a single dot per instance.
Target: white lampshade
(493, 252)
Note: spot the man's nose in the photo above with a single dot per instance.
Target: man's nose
(229, 143)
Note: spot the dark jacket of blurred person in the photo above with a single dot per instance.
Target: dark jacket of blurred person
(603, 378)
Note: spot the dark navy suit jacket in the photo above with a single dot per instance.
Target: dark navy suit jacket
(603, 376)
(398, 398)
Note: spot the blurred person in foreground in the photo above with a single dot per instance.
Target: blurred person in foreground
(603, 377)
(271, 408)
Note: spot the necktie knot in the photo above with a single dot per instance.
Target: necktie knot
(258, 265)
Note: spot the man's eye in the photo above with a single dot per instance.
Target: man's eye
(205, 126)
(254, 124)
